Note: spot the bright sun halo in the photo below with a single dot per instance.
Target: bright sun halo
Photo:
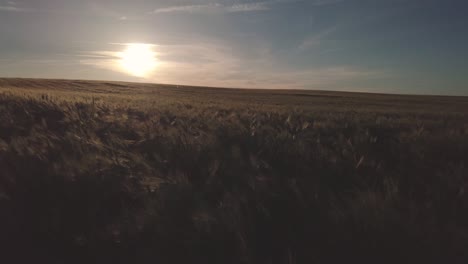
(138, 59)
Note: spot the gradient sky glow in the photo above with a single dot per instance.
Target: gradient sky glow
(393, 46)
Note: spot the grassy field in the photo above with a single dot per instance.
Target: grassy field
(108, 172)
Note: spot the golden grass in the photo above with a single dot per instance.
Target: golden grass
(136, 173)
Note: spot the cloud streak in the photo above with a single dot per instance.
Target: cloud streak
(212, 64)
(235, 8)
(12, 6)
(215, 8)
(316, 40)
(326, 2)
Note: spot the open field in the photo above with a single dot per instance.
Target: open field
(108, 172)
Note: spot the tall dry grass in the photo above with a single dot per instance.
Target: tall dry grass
(102, 179)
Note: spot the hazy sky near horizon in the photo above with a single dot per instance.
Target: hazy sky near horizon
(395, 46)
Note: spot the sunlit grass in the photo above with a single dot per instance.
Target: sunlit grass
(138, 173)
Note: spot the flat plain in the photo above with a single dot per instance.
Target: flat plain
(113, 172)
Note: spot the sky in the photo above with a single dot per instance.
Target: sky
(383, 46)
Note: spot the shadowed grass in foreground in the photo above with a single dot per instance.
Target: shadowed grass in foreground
(177, 177)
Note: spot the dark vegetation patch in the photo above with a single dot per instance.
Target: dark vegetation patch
(129, 178)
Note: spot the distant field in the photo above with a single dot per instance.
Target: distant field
(149, 95)
(111, 172)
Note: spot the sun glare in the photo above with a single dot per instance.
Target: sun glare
(138, 59)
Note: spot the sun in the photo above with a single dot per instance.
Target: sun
(138, 59)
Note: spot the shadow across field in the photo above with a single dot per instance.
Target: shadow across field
(101, 172)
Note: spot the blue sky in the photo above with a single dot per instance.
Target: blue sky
(392, 46)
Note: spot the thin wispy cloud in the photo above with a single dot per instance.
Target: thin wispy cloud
(8, 8)
(212, 64)
(108, 11)
(12, 6)
(315, 40)
(261, 6)
(235, 8)
(219, 8)
(326, 2)
(186, 9)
